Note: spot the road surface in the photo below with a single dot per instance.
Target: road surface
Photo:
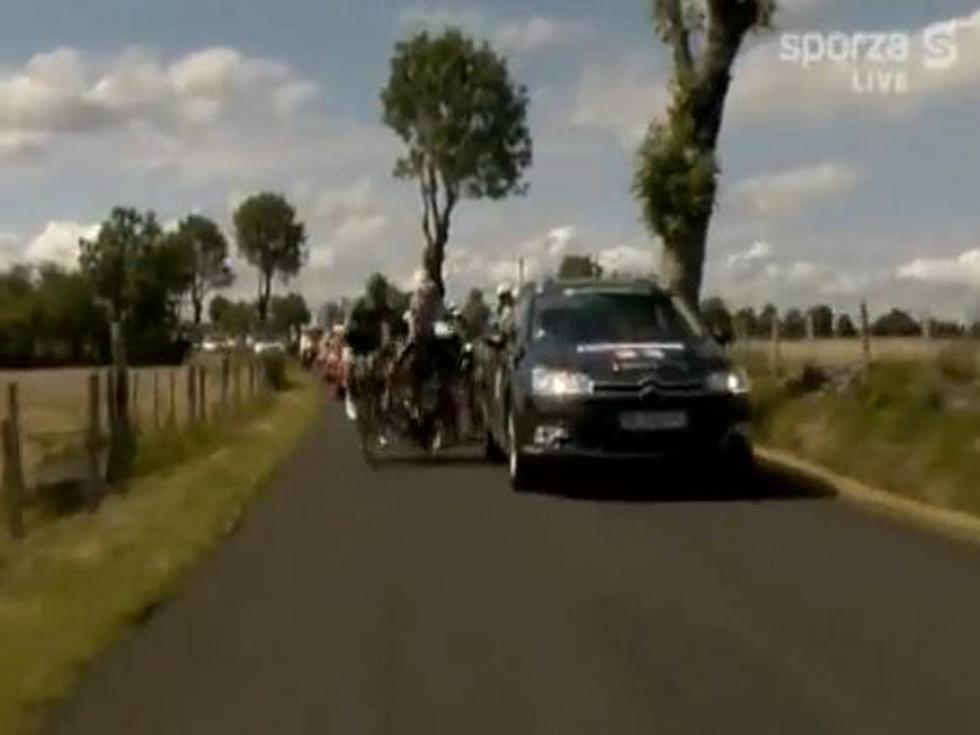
(431, 599)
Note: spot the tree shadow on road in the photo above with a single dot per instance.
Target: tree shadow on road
(645, 483)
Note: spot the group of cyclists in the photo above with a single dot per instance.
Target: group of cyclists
(412, 373)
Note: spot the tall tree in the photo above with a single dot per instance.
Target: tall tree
(271, 238)
(794, 324)
(290, 314)
(718, 317)
(206, 250)
(896, 323)
(677, 169)
(745, 322)
(464, 123)
(845, 327)
(140, 277)
(113, 260)
(822, 318)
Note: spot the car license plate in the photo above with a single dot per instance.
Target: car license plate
(653, 420)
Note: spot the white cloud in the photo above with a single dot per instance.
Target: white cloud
(962, 270)
(58, 243)
(620, 99)
(68, 91)
(348, 216)
(512, 36)
(628, 259)
(438, 17)
(21, 146)
(787, 192)
(536, 34)
(757, 253)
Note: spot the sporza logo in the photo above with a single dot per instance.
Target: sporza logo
(880, 62)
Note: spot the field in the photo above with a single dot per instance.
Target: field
(846, 352)
(54, 405)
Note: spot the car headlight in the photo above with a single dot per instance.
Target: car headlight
(735, 382)
(559, 383)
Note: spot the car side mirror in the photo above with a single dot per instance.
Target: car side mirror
(722, 336)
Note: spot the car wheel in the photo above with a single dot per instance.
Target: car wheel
(520, 467)
(492, 451)
(737, 470)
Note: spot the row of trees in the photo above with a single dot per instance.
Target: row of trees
(135, 273)
(464, 124)
(822, 322)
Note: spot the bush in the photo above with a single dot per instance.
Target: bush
(274, 365)
(959, 361)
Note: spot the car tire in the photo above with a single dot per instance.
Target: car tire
(520, 467)
(736, 474)
(493, 452)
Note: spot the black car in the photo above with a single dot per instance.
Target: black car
(611, 370)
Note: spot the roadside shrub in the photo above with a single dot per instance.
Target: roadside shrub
(959, 361)
(274, 365)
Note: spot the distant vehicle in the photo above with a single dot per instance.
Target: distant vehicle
(268, 347)
(601, 370)
(212, 344)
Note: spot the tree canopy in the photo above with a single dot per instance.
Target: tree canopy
(464, 124)
(272, 239)
(139, 277)
(205, 250)
(290, 314)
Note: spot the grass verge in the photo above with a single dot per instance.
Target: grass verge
(909, 428)
(71, 587)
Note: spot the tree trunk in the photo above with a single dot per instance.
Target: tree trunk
(699, 101)
(265, 291)
(432, 260)
(682, 266)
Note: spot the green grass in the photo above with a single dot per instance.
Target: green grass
(911, 428)
(73, 585)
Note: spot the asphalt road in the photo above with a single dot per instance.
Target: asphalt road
(431, 599)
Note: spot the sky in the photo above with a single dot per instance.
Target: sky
(834, 187)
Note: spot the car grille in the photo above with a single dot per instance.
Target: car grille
(667, 380)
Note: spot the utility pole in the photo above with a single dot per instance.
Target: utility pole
(520, 273)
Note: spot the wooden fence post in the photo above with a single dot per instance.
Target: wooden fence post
(238, 386)
(93, 443)
(134, 404)
(173, 398)
(121, 445)
(156, 400)
(225, 375)
(191, 394)
(203, 394)
(13, 469)
(110, 405)
(774, 344)
(865, 336)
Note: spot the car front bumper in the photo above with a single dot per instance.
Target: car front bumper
(590, 428)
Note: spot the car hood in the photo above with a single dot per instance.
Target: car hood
(666, 363)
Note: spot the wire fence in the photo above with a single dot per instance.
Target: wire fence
(57, 424)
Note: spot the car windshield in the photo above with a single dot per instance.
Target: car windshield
(591, 317)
